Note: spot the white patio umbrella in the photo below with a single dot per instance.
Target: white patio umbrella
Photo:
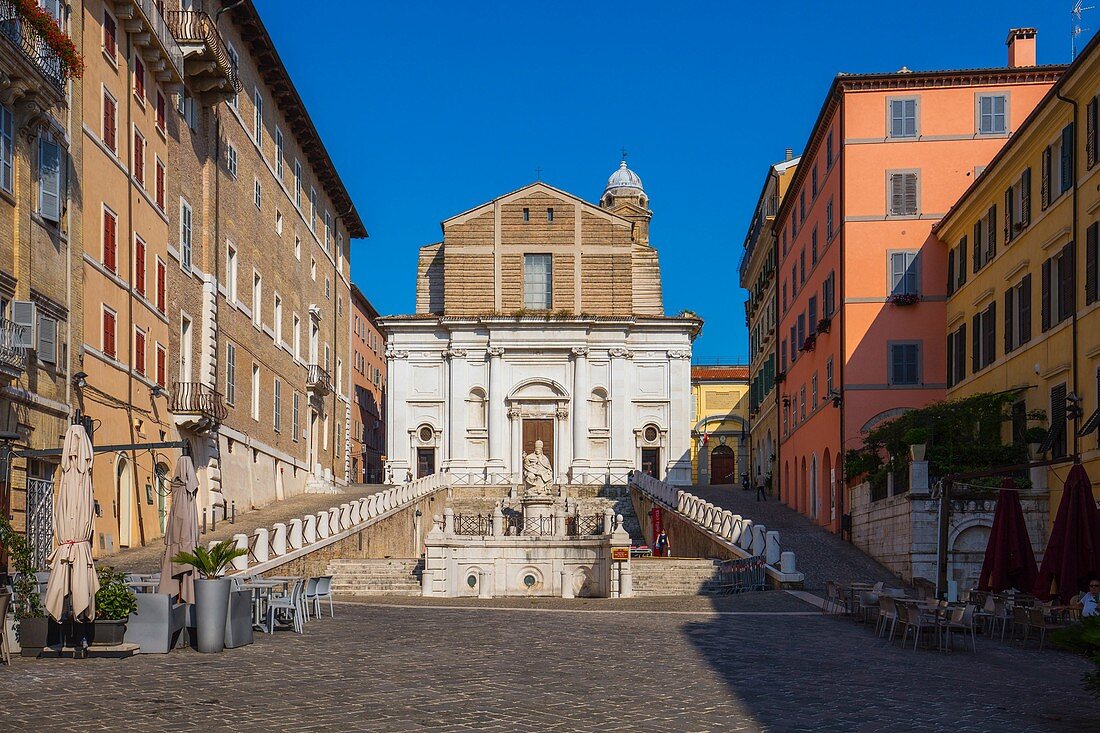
(181, 533)
(72, 571)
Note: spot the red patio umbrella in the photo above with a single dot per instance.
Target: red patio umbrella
(1009, 559)
(1073, 552)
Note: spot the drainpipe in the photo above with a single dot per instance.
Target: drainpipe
(839, 295)
(1073, 316)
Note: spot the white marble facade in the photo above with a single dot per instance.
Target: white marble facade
(617, 390)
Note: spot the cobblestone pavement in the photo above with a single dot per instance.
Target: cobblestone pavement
(148, 559)
(382, 667)
(821, 555)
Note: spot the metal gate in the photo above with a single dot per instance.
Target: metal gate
(40, 520)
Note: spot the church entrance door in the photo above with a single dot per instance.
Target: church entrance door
(539, 429)
(723, 465)
(651, 462)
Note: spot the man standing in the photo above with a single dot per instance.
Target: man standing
(761, 484)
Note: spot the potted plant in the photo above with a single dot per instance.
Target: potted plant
(903, 299)
(1034, 436)
(824, 324)
(211, 591)
(810, 342)
(917, 440)
(114, 602)
(27, 608)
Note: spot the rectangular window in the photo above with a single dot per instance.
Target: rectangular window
(278, 153)
(160, 184)
(537, 282)
(231, 273)
(992, 114)
(904, 273)
(162, 287)
(956, 355)
(231, 159)
(295, 420)
(278, 318)
(7, 149)
(802, 403)
(904, 363)
(1058, 283)
(277, 406)
(829, 220)
(110, 37)
(312, 209)
(110, 240)
(258, 119)
(256, 392)
(526, 214)
(161, 111)
(139, 351)
(813, 247)
(235, 63)
(801, 206)
(903, 194)
(802, 268)
(185, 234)
(1092, 143)
(49, 178)
(257, 193)
(550, 215)
(110, 122)
(813, 179)
(139, 158)
(829, 150)
(811, 318)
(1058, 420)
(828, 295)
(983, 350)
(328, 228)
(1018, 314)
(1065, 173)
(139, 265)
(139, 79)
(297, 323)
(298, 185)
(1092, 263)
(829, 377)
(162, 365)
(257, 298)
(297, 248)
(230, 373)
(903, 117)
(107, 342)
(813, 392)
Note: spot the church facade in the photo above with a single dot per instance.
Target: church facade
(539, 317)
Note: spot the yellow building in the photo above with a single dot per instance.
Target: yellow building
(720, 424)
(1018, 315)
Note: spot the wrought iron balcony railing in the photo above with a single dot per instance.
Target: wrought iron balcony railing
(197, 29)
(153, 10)
(32, 44)
(13, 347)
(196, 398)
(318, 379)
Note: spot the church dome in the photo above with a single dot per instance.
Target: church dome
(624, 178)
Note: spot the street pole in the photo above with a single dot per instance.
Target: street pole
(941, 549)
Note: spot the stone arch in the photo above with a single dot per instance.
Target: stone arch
(538, 389)
(883, 417)
(812, 487)
(124, 489)
(784, 484)
(598, 409)
(478, 403)
(966, 544)
(802, 503)
(828, 489)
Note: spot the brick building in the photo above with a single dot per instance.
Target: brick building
(368, 378)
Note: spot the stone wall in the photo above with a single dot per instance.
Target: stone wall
(685, 539)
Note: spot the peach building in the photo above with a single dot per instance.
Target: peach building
(862, 283)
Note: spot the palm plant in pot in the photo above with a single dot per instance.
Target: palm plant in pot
(114, 602)
(211, 591)
(27, 606)
(917, 440)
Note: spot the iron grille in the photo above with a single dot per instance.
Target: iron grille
(586, 524)
(40, 520)
(474, 524)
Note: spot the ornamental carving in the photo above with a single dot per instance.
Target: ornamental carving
(580, 351)
(620, 353)
(679, 354)
(397, 354)
(495, 352)
(561, 413)
(454, 353)
(513, 413)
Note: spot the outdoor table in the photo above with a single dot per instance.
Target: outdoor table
(261, 593)
(144, 586)
(854, 589)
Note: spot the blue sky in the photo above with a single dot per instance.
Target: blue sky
(430, 108)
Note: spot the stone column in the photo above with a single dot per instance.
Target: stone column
(515, 425)
(704, 459)
(455, 426)
(622, 450)
(496, 406)
(561, 440)
(678, 461)
(581, 389)
(398, 457)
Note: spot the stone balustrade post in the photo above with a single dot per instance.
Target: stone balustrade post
(786, 562)
(309, 529)
(498, 521)
(261, 551)
(345, 516)
(758, 535)
(333, 520)
(566, 584)
(322, 525)
(294, 534)
(560, 529)
(771, 547)
(278, 539)
(448, 522)
(241, 542)
(484, 584)
(357, 511)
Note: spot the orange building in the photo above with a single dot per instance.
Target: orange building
(862, 283)
(368, 380)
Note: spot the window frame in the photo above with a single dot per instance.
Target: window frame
(890, 173)
(547, 303)
(978, 114)
(918, 346)
(890, 101)
(912, 270)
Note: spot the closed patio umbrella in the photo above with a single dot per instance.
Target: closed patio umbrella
(1073, 552)
(181, 533)
(72, 571)
(1009, 558)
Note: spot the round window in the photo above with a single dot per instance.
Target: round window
(529, 580)
(426, 434)
(650, 434)
(471, 580)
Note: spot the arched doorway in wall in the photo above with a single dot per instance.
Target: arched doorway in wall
(802, 503)
(827, 485)
(161, 470)
(784, 484)
(723, 465)
(124, 490)
(812, 486)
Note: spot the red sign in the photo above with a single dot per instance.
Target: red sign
(620, 554)
(656, 520)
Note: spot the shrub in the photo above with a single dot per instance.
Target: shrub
(916, 436)
(114, 600)
(1035, 434)
(1084, 639)
(210, 563)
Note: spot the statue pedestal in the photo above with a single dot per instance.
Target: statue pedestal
(538, 514)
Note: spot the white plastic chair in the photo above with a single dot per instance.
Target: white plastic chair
(310, 596)
(290, 605)
(324, 593)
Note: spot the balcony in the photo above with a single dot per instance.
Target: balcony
(197, 407)
(13, 349)
(318, 380)
(150, 33)
(27, 58)
(206, 65)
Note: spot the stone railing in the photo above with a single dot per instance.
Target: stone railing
(284, 541)
(558, 524)
(739, 534)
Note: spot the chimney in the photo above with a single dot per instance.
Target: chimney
(790, 154)
(1021, 47)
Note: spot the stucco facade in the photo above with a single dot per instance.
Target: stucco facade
(720, 424)
(368, 378)
(861, 281)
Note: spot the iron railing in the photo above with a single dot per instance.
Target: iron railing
(196, 398)
(13, 345)
(40, 520)
(317, 378)
(518, 524)
(475, 525)
(153, 10)
(587, 524)
(32, 44)
(197, 27)
(745, 574)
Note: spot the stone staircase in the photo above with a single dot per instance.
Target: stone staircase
(388, 577)
(674, 576)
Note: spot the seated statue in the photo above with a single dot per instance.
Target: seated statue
(537, 473)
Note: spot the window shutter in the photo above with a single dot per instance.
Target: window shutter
(109, 232)
(25, 314)
(989, 326)
(897, 272)
(1066, 178)
(1045, 306)
(897, 198)
(47, 340)
(139, 266)
(910, 180)
(978, 241)
(1025, 309)
(962, 261)
(160, 286)
(976, 344)
(1008, 214)
(1090, 132)
(951, 272)
(1025, 197)
(109, 334)
(960, 354)
(161, 366)
(951, 360)
(1044, 191)
(991, 234)
(1090, 261)
(1008, 320)
(49, 179)
(1067, 300)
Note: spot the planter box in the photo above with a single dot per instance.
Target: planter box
(33, 636)
(107, 633)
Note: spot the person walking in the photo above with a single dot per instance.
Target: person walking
(761, 484)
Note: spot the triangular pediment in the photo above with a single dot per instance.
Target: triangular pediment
(529, 189)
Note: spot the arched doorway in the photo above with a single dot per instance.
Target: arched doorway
(802, 488)
(812, 485)
(827, 485)
(723, 465)
(784, 484)
(124, 490)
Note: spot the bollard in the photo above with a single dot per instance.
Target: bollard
(484, 590)
(626, 581)
(426, 578)
(786, 562)
(322, 525)
(758, 535)
(233, 516)
(333, 521)
(204, 520)
(771, 547)
(309, 529)
(213, 519)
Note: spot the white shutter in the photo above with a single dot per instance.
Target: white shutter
(49, 179)
(24, 313)
(47, 340)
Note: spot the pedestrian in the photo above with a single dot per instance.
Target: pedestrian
(761, 484)
(1090, 602)
(745, 481)
(661, 545)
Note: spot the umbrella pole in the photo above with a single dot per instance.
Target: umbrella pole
(941, 548)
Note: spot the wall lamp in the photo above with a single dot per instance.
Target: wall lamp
(80, 380)
(157, 391)
(786, 400)
(835, 396)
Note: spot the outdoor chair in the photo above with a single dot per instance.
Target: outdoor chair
(1021, 625)
(913, 620)
(835, 602)
(287, 607)
(1036, 620)
(5, 601)
(309, 595)
(868, 606)
(887, 616)
(1000, 616)
(960, 619)
(878, 586)
(324, 593)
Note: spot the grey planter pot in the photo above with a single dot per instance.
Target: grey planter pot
(108, 633)
(211, 607)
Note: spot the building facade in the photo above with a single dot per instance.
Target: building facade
(540, 317)
(758, 276)
(368, 379)
(720, 424)
(1023, 307)
(41, 324)
(861, 284)
(259, 304)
